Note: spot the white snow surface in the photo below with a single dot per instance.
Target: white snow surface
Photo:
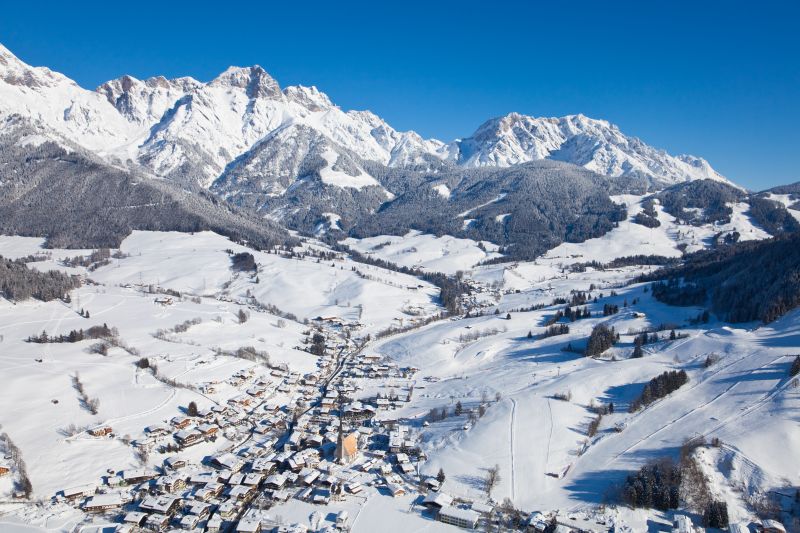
(164, 124)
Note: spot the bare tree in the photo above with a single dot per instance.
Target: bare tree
(491, 480)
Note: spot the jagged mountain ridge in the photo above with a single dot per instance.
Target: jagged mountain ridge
(75, 199)
(190, 131)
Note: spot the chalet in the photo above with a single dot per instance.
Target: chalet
(201, 478)
(214, 524)
(309, 476)
(249, 524)
(198, 509)
(256, 392)
(228, 509)
(224, 476)
(188, 437)
(358, 412)
(537, 522)
(157, 430)
(105, 502)
(171, 483)
(209, 491)
(253, 479)
(157, 522)
(228, 461)
(135, 518)
(353, 487)
(100, 431)
(163, 504)
(432, 483)
(174, 462)
(395, 489)
(437, 500)
(465, 518)
(78, 493)
(275, 481)
(208, 430)
(241, 492)
(341, 519)
(4, 471)
(189, 521)
(241, 400)
(263, 465)
(139, 475)
(181, 422)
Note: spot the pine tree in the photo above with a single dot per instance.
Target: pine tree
(191, 410)
(440, 477)
(795, 369)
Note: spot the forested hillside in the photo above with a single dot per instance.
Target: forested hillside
(76, 201)
(754, 280)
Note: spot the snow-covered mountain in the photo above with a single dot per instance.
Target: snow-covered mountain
(191, 131)
(595, 144)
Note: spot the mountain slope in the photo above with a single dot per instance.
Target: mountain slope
(77, 201)
(756, 280)
(190, 131)
(595, 144)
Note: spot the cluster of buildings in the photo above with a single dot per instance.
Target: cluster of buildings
(279, 436)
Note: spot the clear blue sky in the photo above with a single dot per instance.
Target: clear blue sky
(716, 79)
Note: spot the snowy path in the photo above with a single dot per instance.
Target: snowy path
(513, 452)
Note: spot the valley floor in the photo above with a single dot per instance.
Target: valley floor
(513, 397)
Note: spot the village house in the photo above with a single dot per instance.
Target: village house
(164, 504)
(4, 470)
(275, 481)
(157, 522)
(139, 475)
(78, 493)
(174, 462)
(437, 500)
(189, 521)
(241, 492)
(181, 422)
(188, 437)
(105, 502)
(157, 430)
(228, 461)
(135, 518)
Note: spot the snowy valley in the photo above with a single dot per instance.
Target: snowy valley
(227, 306)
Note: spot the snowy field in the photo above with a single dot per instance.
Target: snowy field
(539, 398)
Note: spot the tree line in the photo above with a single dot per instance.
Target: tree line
(658, 387)
(18, 282)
